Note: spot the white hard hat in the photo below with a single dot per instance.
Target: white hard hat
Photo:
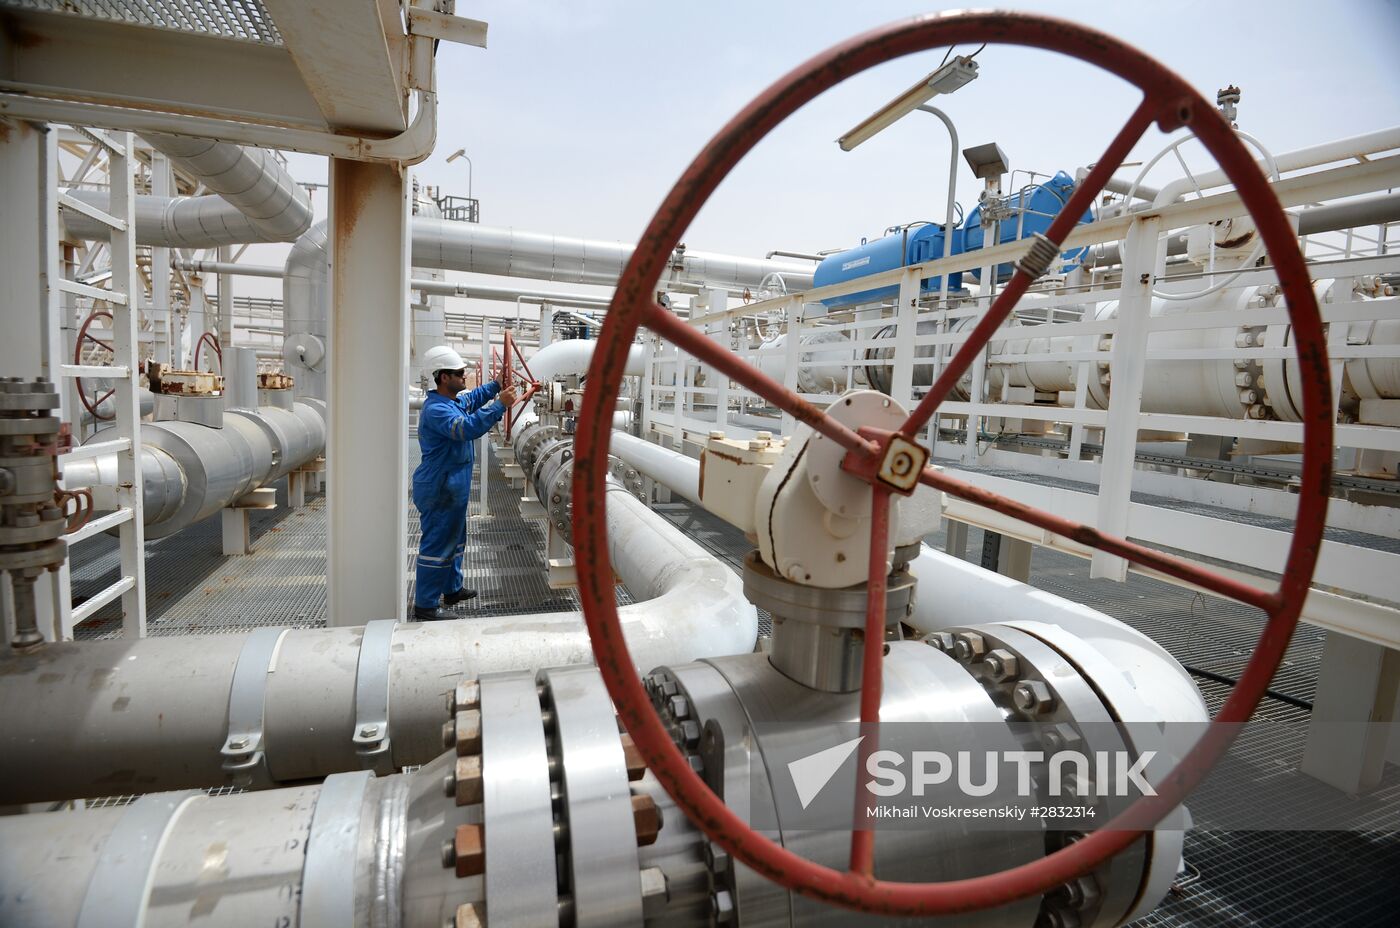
(442, 358)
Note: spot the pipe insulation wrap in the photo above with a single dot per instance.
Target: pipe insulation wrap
(192, 471)
(572, 356)
(110, 726)
(258, 201)
(355, 850)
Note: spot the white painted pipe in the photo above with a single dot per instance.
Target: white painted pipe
(669, 468)
(572, 356)
(1312, 156)
(109, 723)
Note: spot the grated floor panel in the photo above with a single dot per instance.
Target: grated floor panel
(1260, 878)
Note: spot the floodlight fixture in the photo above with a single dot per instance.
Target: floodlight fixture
(946, 79)
(986, 161)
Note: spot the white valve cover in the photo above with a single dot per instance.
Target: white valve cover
(803, 540)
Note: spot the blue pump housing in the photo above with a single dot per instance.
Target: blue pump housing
(910, 245)
(1036, 208)
(915, 245)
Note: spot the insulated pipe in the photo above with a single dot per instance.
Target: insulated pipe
(1338, 150)
(1367, 211)
(192, 471)
(354, 851)
(249, 178)
(109, 724)
(572, 356)
(467, 246)
(169, 222)
(669, 468)
(464, 246)
(228, 267)
(472, 291)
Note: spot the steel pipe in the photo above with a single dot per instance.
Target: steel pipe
(191, 471)
(110, 725)
(670, 468)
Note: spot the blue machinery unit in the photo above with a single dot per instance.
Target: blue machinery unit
(1030, 210)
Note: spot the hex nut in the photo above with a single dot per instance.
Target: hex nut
(655, 892)
(646, 818)
(680, 707)
(469, 916)
(469, 849)
(1033, 697)
(636, 766)
(716, 858)
(467, 695)
(943, 641)
(468, 732)
(1002, 665)
(1061, 918)
(690, 732)
(469, 789)
(722, 907)
(1061, 737)
(969, 646)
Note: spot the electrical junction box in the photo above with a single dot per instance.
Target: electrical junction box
(731, 470)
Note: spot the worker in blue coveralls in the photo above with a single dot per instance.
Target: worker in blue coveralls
(451, 421)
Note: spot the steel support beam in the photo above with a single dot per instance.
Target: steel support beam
(367, 442)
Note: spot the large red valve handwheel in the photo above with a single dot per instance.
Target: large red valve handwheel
(85, 336)
(505, 375)
(1170, 102)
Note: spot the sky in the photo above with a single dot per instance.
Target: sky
(579, 116)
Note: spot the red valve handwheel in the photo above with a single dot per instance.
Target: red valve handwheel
(510, 356)
(1171, 103)
(85, 336)
(212, 340)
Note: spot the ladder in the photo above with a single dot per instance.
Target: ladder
(124, 373)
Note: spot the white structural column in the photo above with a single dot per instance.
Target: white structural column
(367, 444)
(30, 347)
(906, 322)
(167, 348)
(132, 535)
(1353, 714)
(1127, 364)
(792, 353)
(32, 343)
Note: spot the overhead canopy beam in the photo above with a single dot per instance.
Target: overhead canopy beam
(350, 56)
(94, 60)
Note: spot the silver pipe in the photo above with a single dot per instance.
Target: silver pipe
(466, 246)
(169, 222)
(120, 731)
(249, 178)
(1367, 211)
(228, 267)
(472, 248)
(356, 851)
(192, 471)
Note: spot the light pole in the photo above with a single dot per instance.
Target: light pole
(462, 153)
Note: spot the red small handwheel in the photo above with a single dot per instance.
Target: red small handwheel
(1170, 102)
(506, 374)
(85, 336)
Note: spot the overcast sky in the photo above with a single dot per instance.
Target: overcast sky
(579, 116)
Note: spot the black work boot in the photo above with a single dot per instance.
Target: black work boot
(459, 596)
(436, 614)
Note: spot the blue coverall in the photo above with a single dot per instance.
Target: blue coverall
(447, 431)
